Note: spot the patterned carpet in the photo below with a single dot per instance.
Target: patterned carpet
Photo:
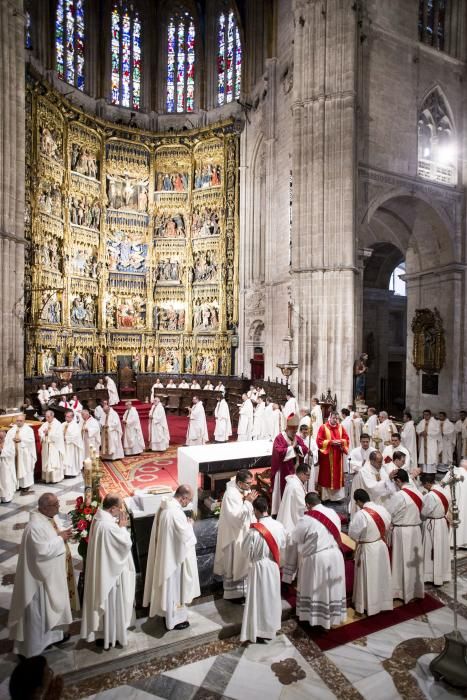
(149, 469)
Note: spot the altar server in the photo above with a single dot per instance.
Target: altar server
(409, 438)
(321, 594)
(22, 438)
(53, 449)
(172, 569)
(74, 448)
(428, 436)
(262, 615)
(291, 509)
(235, 519)
(113, 392)
(447, 439)
(245, 420)
(435, 531)
(91, 433)
(133, 440)
(197, 433)
(109, 588)
(223, 429)
(372, 589)
(359, 456)
(40, 605)
(111, 434)
(405, 508)
(288, 450)
(7, 469)
(159, 436)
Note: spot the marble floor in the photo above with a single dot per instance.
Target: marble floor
(207, 661)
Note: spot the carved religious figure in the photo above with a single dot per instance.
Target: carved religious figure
(205, 222)
(84, 162)
(360, 370)
(169, 226)
(429, 349)
(207, 175)
(172, 182)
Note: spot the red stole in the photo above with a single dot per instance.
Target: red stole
(379, 522)
(270, 540)
(327, 522)
(443, 500)
(415, 498)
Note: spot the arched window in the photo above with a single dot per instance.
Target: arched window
(126, 55)
(69, 41)
(181, 63)
(437, 150)
(229, 59)
(27, 25)
(431, 22)
(396, 284)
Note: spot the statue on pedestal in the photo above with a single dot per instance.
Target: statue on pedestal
(360, 370)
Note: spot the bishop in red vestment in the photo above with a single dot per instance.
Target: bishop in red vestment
(287, 448)
(333, 444)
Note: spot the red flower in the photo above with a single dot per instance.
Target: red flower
(87, 511)
(79, 501)
(82, 525)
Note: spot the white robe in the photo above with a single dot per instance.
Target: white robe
(40, 604)
(291, 509)
(182, 385)
(370, 427)
(321, 594)
(53, 451)
(258, 418)
(273, 423)
(377, 485)
(428, 446)
(223, 429)
(245, 421)
(172, 580)
(155, 390)
(43, 396)
(372, 589)
(311, 459)
(74, 448)
(357, 458)
(110, 423)
(159, 436)
(230, 561)
(197, 433)
(388, 454)
(91, 433)
(7, 472)
(109, 588)
(385, 430)
(113, 391)
(99, 385)
(219, 387)
(98, 412)
(290, 406)
(262, 615)
(461, 498)
(461, 442)
(409, 440)
(435, 537)
(25, 454)
(76, 407)
(133, 440)
(316, 419)
(353, 428)
(407, 548)
(447, 441)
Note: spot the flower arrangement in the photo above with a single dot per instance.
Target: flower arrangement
(81, 518)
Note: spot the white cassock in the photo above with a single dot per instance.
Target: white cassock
(230, 561)
(159, 436)
(372, 588)
(133, 440)
(409, 440)
(290, 406)
(321, 595)
(91, 433)
(435, 535)
(461, 439)
(370, 427)
(428, 446)
(53, 451)
(7, 472)
(262, 615)
(40, 604)
(385, 430)
(25, 454)
(461, 498)
(316, 419)
(357, 458)
(387, 457)
(407, 548)
(376, 483)
(172, 569)
(43, 396)
(258, 418)
(273, 423)
(291, 509)
(223, 429)
(113, 391)
(245, 421)
(197, 433)
(311, 459)
(447, 441)
(353, 428)
(109, 587)
(74, 448)
(111, 436)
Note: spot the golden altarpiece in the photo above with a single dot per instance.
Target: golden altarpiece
(133, 243)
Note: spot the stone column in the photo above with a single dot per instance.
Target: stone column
(12, 147)
(324, 174)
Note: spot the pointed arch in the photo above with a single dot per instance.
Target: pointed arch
(437, 148)
(69, 41)
(181, 58)
(126, 49)
(229, 55)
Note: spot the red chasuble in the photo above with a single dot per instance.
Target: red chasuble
(331, 458)
(279, 449)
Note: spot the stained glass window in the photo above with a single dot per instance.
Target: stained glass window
(126, 55)
(181, 64)
(27, 25)
(69, 41)
(431, 22)
(229, 59)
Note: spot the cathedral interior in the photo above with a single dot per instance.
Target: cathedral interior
(243, 190)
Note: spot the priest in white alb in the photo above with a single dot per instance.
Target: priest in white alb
(7, 469)
(262, 615)
(409, 438)
(396, 445)
(159, 436)
(235, 518)
(374, 479)
(90, 432)
(113, 391)
(74, 448)
(111, 434)
(435, 531)
(358, 457)
(155, 388)
(21, 437)
(172, 570)
(371, 425)
(223, 429)
(372, 588)
(258, 419)
(53, 449)
(291, 406)
(428, 439)
(461, 436)
(273, 422)
(447, 440)
(40, 606)
(245, 420)
(197, 433)
(386, 428)
(133, 440)
(316, 416)
(291, 509)
(109, 587)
